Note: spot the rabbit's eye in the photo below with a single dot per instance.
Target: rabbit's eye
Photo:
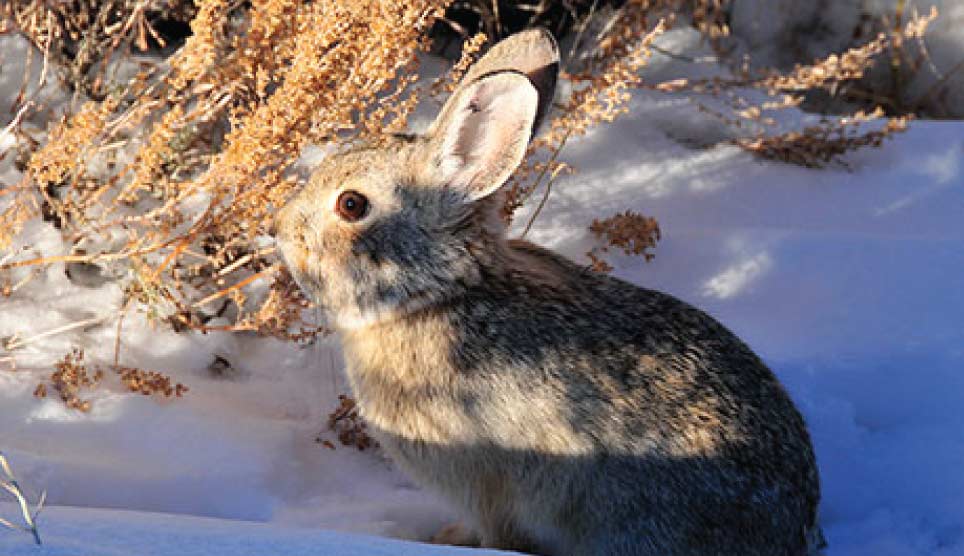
(351, 206)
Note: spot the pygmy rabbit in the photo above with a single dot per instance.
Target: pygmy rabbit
(563, 412)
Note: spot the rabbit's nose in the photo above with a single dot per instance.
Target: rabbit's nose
(273, 227)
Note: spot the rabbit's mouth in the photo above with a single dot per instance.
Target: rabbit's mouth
(347, 300)
(296, 260)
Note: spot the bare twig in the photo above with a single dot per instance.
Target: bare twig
(552, 178)
(9, 483)
(9, 130)
(239, 285)
(17, 343)
(243, 261)
(120, 325)
(85, 258)
(46, 61)
(934, 89)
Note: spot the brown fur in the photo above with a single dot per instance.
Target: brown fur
(563, 412)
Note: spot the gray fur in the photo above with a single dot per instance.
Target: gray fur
(562, 411)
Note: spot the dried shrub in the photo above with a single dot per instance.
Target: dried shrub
(448, 82)
(827, 74)
(902, 78)
(208, 142)
(907, 58)
(149, 383)
(825, 143)
(81, 38)
(633, 234)
(72, 376)
(348, 426)
(813, 146)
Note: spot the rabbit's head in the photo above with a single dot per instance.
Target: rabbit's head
(382, 231)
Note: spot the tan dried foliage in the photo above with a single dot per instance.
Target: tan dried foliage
(852, 65)
(348, 426)
(629, 232)
(81, 38)
(825, 143)
(150, 382)
(69, 142)
(709, 16)
(72, 376)
(214, 137)
(813, 146)
(828, 73)
(470, 52)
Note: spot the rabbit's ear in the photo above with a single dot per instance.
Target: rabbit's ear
(534, 53)
(482, 133)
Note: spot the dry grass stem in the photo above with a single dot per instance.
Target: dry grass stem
(9, 483)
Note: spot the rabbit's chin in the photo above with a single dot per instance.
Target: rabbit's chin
(358, 319)
(367, 309)
(384, 310)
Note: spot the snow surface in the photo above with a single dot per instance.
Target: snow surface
(95, 532)
(848, 283)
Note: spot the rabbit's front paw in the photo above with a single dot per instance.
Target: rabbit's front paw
(457, 534)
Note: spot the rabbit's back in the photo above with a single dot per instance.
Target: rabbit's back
(682, 414)
(587, 412)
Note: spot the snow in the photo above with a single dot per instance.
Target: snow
(92, 532)
(846, 282)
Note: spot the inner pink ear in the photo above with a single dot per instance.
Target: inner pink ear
(485, 134)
